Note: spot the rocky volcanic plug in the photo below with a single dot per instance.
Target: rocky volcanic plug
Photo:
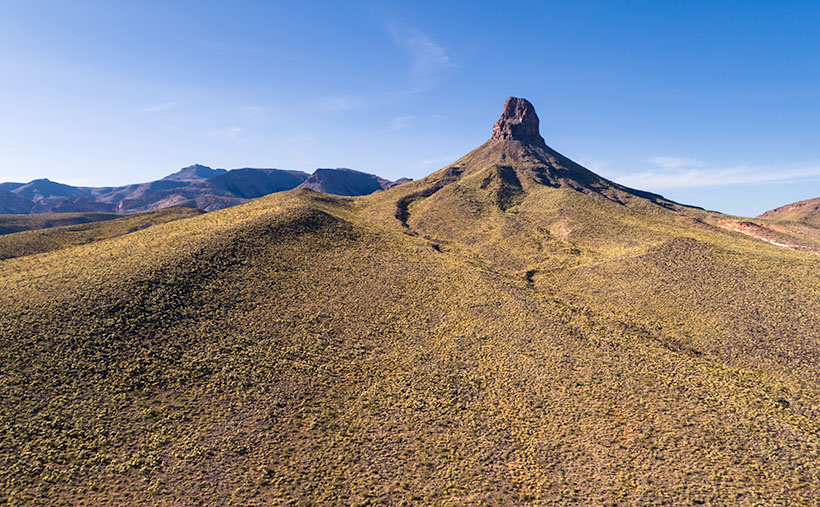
(518, 122)
(516, 160)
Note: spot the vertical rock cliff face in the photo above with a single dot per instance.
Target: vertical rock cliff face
(518, 122)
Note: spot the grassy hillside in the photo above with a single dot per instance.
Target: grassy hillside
(497, 333)
(45, 240)
(807, 211)
(17, 223)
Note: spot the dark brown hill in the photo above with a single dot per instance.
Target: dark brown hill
(345, 182)
(196, 172)
(10, 185)
(13, 203)
(253, 183)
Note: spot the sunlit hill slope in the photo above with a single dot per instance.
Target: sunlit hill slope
(512, 329)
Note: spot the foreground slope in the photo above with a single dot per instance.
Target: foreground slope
(511, 329)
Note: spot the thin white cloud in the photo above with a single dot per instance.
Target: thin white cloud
(694, 177)
(400, 122)
(674, 162)
(429, 59)
(155, 108)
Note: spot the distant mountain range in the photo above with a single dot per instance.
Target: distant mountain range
(194, 186)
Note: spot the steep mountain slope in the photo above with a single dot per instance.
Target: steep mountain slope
(512, 329)
(803, 211)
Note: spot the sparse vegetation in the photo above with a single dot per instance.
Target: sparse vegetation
(562, 343)
(17, 223)
(40, 240)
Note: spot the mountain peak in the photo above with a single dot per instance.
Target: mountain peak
(518, 122)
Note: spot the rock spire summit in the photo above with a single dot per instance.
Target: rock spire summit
(518, 122)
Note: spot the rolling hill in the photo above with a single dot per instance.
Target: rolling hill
(803, 211)
(511, 329)
(85, 228)
(10, 223)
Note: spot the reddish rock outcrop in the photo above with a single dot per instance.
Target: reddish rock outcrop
(518, 122)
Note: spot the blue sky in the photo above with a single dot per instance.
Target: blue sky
(715, 104)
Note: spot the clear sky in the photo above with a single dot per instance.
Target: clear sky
(712, 103)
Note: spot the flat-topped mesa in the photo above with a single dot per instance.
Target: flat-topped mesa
(518, 122)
